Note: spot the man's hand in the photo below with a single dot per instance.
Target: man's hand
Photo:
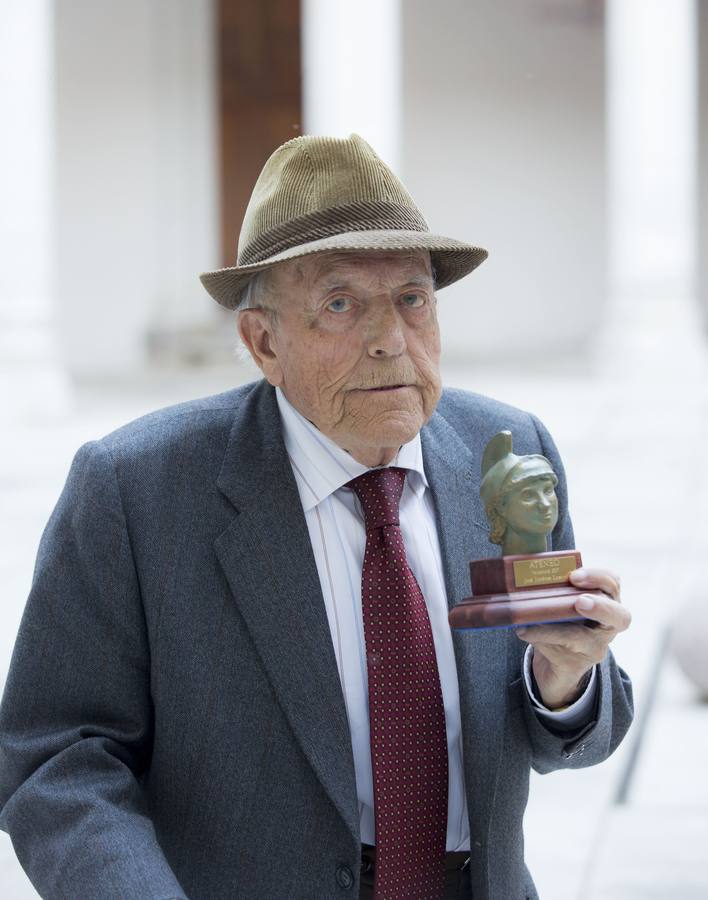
(564, 654)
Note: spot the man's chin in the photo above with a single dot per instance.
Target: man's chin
(390, 434)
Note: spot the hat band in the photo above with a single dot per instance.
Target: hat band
(362, 215)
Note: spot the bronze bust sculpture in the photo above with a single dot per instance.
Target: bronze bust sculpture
(519, 497)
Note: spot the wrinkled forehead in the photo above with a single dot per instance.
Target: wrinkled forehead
(326, 270)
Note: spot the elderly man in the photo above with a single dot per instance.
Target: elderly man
(234, 676)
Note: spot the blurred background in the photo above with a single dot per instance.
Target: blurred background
(569, 137)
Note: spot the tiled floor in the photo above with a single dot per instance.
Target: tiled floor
(633, 430)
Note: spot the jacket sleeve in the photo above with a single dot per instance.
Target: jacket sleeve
(613, 709)
(76, 716)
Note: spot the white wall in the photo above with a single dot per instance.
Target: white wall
(503, 144)
(136, 214)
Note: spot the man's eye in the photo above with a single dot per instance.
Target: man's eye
(340, 304)
(413, 300)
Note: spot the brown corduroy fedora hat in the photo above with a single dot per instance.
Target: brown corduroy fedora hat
(323, 193)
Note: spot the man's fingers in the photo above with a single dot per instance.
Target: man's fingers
(562, 633)
(570, 636)
(602, 615)
(601, 608)
(574, 646)
(608, 617)
(609, 613)
(597, 579)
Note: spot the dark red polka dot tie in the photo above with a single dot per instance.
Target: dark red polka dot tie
(406, 712)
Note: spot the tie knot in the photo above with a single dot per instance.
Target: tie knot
(380, 493)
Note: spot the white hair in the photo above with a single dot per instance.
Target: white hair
(256, 292)
(256, 295)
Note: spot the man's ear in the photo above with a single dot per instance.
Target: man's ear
(257, 332)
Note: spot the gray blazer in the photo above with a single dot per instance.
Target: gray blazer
(173, 723)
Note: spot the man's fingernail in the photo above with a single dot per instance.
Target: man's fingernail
(579, 574)
(584, 603)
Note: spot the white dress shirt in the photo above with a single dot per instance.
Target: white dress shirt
(338, 536)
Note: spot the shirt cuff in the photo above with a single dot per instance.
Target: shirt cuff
(570, 717)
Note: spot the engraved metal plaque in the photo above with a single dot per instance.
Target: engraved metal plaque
(544, 570)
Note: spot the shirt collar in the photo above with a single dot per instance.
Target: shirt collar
(321, 467)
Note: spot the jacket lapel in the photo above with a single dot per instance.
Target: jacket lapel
(453, 471)
(268, 561)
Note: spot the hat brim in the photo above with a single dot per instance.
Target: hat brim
(451, 259)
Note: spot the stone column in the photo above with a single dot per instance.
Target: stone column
(351, 71)
(30, 378)
(702, 194)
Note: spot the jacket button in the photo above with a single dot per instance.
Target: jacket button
(344, 877)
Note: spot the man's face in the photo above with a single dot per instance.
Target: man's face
(531, 507)
(355, 346)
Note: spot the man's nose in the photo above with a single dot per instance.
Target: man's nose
(385, 335)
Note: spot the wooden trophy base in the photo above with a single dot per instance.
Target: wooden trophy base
(528, 589)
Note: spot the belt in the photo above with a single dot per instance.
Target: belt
(455, 861)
